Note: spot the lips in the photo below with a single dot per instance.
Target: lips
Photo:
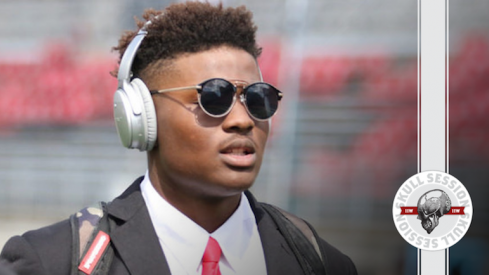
(239, 153)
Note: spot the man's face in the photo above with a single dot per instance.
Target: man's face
(196, 154)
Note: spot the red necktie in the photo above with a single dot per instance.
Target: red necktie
(210, 260)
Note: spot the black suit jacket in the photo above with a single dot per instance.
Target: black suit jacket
(47, 251)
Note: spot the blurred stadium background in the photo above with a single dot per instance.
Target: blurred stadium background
(343, 141)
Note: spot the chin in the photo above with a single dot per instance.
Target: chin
(236, 188)
(241, 180)
(232, 188)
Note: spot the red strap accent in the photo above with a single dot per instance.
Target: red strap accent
(96, 251)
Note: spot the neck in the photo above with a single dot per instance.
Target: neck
(208, 211)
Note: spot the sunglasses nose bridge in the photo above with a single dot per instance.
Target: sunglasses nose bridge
(242, 98)
(239, 91)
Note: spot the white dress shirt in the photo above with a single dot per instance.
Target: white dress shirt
(183, 241)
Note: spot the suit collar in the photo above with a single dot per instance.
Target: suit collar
(128, 203)
(279, 257)
(133, 234)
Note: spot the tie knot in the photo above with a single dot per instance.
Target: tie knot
(212, 251)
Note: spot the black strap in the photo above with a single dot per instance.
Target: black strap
(80, 239)
(301, 238)
(75, 245)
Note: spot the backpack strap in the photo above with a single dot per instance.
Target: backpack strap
(91, 250)
(302, 239)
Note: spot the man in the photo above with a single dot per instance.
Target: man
(204, 118)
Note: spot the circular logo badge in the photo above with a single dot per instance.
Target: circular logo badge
(432, 210)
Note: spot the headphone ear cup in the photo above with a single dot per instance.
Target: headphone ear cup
(135, 116)
(149, 112)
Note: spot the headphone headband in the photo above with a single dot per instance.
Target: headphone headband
(125, 66)
(124, 73)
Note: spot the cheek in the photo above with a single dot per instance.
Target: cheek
(180, 137)
(177, 134)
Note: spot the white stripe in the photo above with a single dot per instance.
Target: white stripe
(432, 123)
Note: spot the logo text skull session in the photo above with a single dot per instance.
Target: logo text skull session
(422, 201)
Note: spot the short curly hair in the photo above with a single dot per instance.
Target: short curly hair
(190, 27)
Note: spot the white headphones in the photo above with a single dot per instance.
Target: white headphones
(134, 110)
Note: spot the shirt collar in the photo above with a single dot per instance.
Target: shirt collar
(187, 240)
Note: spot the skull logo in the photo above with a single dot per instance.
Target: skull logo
(431, 206)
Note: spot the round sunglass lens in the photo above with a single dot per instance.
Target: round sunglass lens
(261, 100)
(217, 96)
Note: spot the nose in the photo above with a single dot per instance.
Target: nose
(238, 120)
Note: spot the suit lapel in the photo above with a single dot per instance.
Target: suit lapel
(133, 235)
(279, 257)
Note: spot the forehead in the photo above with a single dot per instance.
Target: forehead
(193, 68)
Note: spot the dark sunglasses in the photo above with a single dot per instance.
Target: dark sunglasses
(217, 97)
